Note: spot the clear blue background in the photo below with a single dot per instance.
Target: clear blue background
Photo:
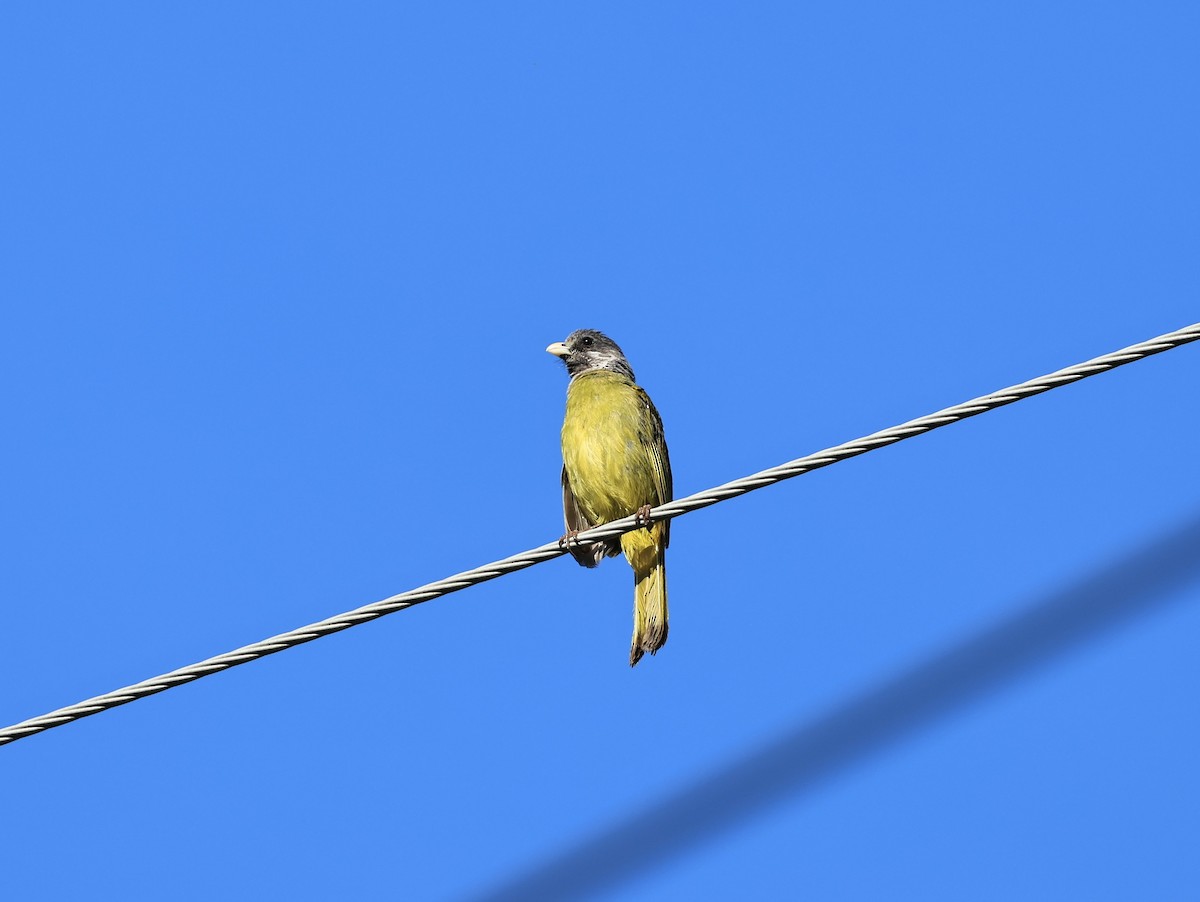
(277, 282)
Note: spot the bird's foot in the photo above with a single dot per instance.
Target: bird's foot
(642, 516)
(567, 542)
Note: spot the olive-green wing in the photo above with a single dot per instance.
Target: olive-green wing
(655, 439)
(586, 555)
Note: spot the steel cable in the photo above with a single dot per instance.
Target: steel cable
(546, 552)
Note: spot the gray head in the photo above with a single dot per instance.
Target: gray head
(586, 350)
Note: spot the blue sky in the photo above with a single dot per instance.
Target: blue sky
(279, 278)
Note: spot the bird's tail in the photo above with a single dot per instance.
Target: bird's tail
(649, 603)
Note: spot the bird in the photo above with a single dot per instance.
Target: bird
(615, 464)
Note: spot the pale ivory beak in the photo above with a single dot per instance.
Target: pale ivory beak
(558, 349)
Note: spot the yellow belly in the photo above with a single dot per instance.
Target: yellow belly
(605, 450)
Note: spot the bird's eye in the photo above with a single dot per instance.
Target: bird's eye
(587, 341)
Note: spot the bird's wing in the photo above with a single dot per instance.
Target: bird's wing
(660, 462)
(587, 555)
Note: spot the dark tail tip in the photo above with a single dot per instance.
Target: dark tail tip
(654, 638)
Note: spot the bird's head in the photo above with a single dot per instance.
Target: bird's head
(586, 350)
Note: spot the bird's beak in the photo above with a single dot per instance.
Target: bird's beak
(558, 349)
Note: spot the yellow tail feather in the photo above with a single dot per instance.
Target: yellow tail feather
(649, 608)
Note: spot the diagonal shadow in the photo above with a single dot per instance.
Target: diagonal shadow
(1134, 586)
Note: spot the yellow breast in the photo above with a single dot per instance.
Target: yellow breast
(604, 444)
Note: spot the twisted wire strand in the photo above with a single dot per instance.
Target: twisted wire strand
(552, 550)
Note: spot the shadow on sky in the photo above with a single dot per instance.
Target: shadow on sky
(1137, 584)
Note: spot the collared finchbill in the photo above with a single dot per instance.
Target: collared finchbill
(615, 464)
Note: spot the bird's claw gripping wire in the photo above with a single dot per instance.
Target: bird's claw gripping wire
(642, 516)
(567, 542)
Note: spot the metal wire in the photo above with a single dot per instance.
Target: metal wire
(552, 550)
